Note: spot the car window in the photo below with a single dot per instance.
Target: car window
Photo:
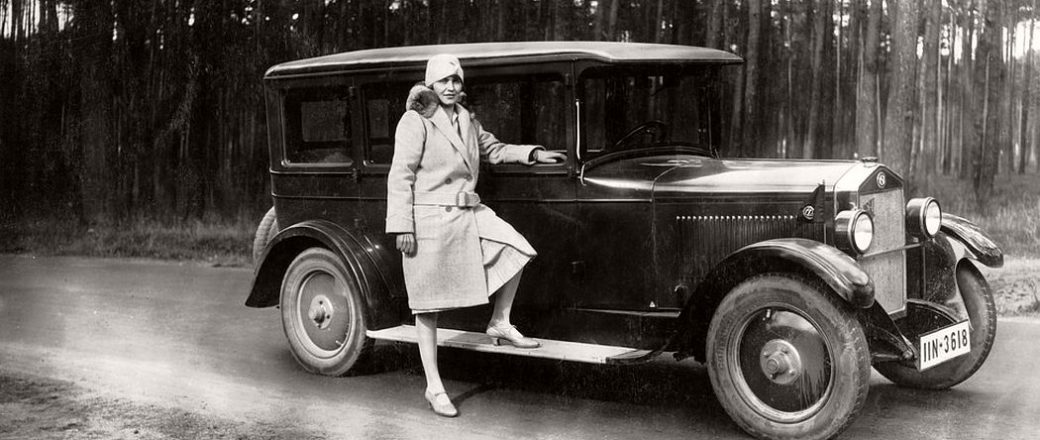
(517, 110)
(616, 101)
(317, 127)
(521, 110)
(384, 105)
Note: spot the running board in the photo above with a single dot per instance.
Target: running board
(550, 349)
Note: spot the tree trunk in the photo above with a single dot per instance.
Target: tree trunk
(838, 112)
(658, 29)
(866, 103)
(1007, 126)
(612, 17)
(751, 127)
(900, 109)
(926, 164)
(1027, 89)
(714, 33)
(819, 20)
(991, 71)
(969, 137)
(947, 100)
(791, 144)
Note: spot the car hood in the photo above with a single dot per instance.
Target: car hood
(681, 175)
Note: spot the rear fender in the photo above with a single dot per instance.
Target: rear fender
(362, 256)
(839, 271)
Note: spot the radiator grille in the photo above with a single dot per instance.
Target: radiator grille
(706, 240)
(886, 268)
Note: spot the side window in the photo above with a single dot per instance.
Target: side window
(521, 110)
(317, 126)
(384, 104)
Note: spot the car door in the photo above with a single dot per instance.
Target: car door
(538, 200)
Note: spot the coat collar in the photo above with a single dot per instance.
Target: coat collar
(443, 123)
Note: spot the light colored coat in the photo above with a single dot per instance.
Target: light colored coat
(431, 157)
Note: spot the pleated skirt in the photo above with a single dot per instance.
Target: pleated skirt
(502, 262)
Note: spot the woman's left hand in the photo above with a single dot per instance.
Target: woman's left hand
(543, 156)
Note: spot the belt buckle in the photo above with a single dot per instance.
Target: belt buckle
(462, 199)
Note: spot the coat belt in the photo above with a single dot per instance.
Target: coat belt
(461, 199)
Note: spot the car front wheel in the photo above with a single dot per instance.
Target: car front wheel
(787, 358)
(322, 313)
(923, 317)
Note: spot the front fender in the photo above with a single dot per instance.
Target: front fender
(835, 268)
(362, 257)
(979, 245)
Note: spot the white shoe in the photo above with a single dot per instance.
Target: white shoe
(512, 335)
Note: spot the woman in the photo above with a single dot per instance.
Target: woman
(456, 251)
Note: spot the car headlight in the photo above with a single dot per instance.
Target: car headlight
(923, 217)
(854, 231)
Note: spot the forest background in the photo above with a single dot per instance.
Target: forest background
(132, 127)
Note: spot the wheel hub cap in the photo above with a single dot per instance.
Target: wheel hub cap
(780, 361)
(320, 312)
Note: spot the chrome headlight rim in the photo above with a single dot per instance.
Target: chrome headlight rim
(854, 231)
(923, 217)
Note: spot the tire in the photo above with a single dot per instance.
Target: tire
(820, 372)
(981, 311)
(265, 232)
(323, 314)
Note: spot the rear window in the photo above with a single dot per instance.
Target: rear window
(318, 126)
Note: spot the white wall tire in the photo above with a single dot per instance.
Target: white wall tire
(323, 313)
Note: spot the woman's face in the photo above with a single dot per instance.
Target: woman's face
(448, 90)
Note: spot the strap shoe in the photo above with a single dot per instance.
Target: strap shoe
(510, 334)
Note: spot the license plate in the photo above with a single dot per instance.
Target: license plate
(944, 344)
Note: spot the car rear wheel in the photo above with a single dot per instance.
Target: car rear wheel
(787, 358)
(923, 317)
(322, 313)
(265, 232)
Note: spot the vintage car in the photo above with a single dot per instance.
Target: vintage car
(788, 279)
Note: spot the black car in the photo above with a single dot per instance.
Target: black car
(788, 279)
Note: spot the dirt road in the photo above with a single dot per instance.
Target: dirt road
(101, 348)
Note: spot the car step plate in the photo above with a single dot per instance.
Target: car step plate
(550, 349)
(944, 344)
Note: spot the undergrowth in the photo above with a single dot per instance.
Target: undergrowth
(1011, 217)
(219, 242)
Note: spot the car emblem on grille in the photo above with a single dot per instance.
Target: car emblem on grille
(881, 180)
(808, 212)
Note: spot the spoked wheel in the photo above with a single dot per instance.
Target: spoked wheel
(788, 359)
(923, 317)
(322, 313)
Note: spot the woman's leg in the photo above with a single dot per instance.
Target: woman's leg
(504, 302)
(426, 327)
(500, 328)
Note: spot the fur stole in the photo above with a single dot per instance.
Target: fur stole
(424, 101)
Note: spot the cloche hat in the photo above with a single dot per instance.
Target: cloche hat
(442, 66)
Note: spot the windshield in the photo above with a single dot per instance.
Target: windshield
(626, 108)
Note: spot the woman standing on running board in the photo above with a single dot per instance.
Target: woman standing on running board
(456, 251)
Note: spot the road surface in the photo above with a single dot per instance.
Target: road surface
(178, 336)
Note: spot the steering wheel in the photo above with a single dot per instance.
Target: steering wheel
(656, 128)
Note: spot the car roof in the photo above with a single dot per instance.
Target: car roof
(477, 54)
